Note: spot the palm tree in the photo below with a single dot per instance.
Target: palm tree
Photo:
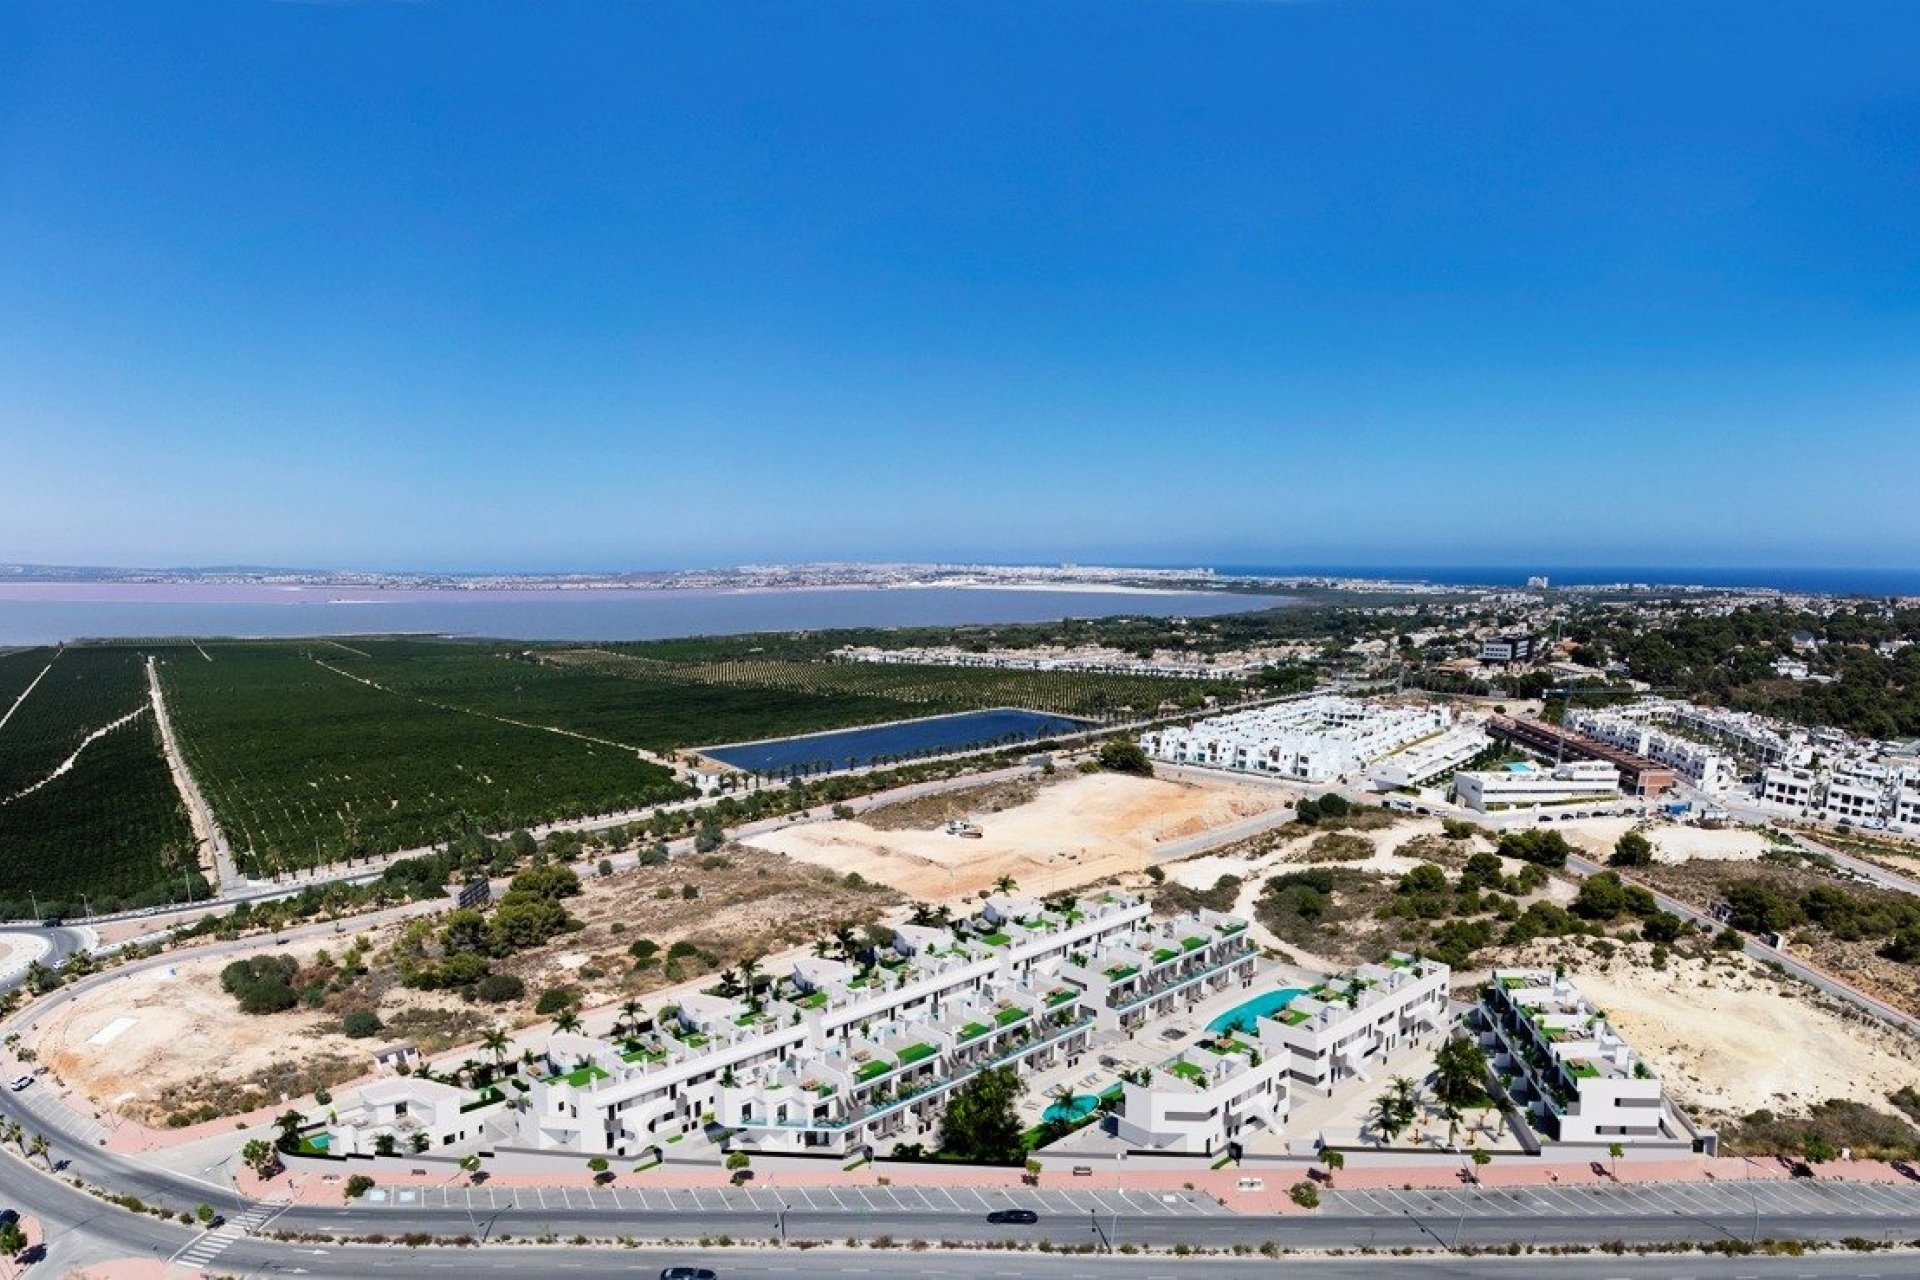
(843, 938)
(1614, 1152)
(39, 1147)
(289, 1123)
(629, 1019)
(1385, 1118)
(823, 948)
(750, 972)
(496, 1044)
(1006, 884)
(15, 1134)
(568, 1020)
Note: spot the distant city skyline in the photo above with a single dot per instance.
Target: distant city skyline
(494, 288)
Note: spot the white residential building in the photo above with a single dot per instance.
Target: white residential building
(1788, 787)
(1347, 1026)
(1561, 1060)
(1631, 729)
(1313, 739)
(1211, 1094)
(1430, 758)
(834, 1056)
(1516, 786)
(418, 1115)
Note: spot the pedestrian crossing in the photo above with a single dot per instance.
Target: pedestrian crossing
(210, 1244)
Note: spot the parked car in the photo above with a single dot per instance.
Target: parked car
(20, 1082)
(687, 1273)
(1024, 1216)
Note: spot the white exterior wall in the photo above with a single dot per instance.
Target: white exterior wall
(405, 1108)
(1313, 739)
(1574, 780)
(1178, 1115)
(1593, 1088)
(825, 1067)
(1396, 1003)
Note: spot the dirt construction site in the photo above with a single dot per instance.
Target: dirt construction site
(169, 1044)
(1061, 833)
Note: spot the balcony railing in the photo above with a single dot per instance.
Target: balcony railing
(863, 1112)
(1152, 990)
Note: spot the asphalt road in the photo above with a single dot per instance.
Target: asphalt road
(797, 1265)
(62, 943)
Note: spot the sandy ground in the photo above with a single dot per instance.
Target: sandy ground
(1672, 842)
(1728, 1039)
(154, 1042)
(1079, 830)
(122, 1044)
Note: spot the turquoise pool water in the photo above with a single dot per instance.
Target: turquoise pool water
(1082, 1105)
(1243, 1016)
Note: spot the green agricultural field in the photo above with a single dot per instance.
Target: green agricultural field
(83, 690)
(305, 763)
(618, 695)
(608, 696)
(111, 826)
(907, 691)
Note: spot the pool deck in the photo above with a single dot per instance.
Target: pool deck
(1154, 1043)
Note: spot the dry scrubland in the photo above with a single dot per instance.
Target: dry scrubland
(169, 1045)
(1067, 831)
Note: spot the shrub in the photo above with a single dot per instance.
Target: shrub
(554, 999)
(497, 988)
(361, 1023)
(1304, 1194)
(1632, 850)
(358, 1185)
(1124, 755)
(1542, 848)
(262, 984)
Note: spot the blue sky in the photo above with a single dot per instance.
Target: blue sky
(1362, 281)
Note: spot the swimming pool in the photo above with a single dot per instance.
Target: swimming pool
(851, 748)
(1242, 1017)
(1081, 1107)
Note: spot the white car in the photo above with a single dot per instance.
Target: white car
(20, 1082)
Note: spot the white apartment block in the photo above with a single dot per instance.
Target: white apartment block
(1350, 1024)
(1855, 789)
(1519, 786)
(420, 1116)
(1431, 758)
(1313, 739)
(834, 1057)
(1788, 787)
(1210, 1095)
(1561, 1060)
(1631, 729)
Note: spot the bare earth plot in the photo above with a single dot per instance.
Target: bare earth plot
(1072, 832)
(1727, 1038)
(169, 1040)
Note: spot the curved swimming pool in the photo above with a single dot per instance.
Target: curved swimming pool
(1081, 1107)
(1243, 1016)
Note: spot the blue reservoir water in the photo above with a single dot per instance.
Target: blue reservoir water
(1242, 1017)
(826, 752)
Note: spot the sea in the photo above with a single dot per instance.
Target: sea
(53, 613)
(1808, 581)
